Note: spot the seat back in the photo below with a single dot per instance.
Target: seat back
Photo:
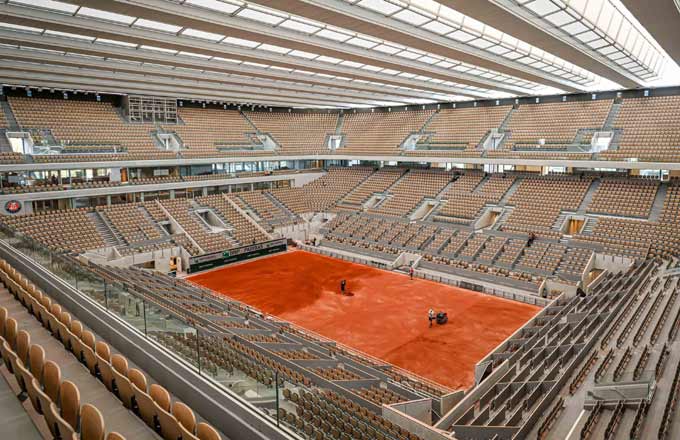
(207, 432)
(69, 399)
(36, 359)
(36, 395)
(184, 415)
(3, 319)
(92, 426)
(23, 344)
(11, 329)
(51, 380)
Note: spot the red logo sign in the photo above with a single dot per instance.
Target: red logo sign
(13, 206)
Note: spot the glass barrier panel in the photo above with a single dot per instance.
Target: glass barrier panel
(171, 332)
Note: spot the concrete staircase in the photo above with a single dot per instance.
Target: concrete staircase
(444, 191)
(340, 123)
(510, 192)
(507, 119)
(280, 205)
(12, 122)
(589, 225)
(5, 146)
(588, 198)
(429, 121)
(611, 117)
(151, 220)
(559, 222)
(108, 233)
(252, 124)
(500, 221)
(657, 206)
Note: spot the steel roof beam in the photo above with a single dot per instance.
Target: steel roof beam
(77, 25)
(506, 16)
(343, 15)
(208, 87)
(214, 22)
(116, 66)
(661, 18)
(88, 83)
(110, 51)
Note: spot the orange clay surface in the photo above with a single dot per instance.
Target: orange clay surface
(387, 316)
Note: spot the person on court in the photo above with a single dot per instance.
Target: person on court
(343, 285)
(410, 272)
(430, 316)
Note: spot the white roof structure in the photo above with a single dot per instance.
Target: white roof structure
(339, 53)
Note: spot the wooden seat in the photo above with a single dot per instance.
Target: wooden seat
(206, 432)
(122, 383)
(36, 357)
(92, 426)
(36, 395)
(69, 399)
(51, 380)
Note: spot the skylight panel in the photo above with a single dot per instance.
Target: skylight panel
(251, 64)
(386, 49)
(114, 42)
(215, 5)
(351, 64)
(361, 42)
(462, 36)
(105, 15)
(18, 27)
(542, 7)
(299, 26)
(195, 55)
(327, 59)
(262, 17)
(410, 17)
(201, 35)
(408, 55)
(48, 4)
(69, 35)
(274, 48)
(156, 26)
(332, 35)
(371, 68)
(240, 42)
(381, 6)
(303, 54)
(158, 49)
(438, 27)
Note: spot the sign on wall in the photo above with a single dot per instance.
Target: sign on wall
(215, 259)
(13, 206)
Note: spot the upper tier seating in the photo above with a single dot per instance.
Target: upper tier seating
(297, 133)
(324, 193)
(650, 129)
(539, 200)
(67, 230)
(181, 211)
(464, 127)
(377, 182)
(380, 132)
(86, 122)
(411, 190)
(204, 129)
(626, 197)
(557, 123)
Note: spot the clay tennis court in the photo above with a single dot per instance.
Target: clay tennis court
(386, 317)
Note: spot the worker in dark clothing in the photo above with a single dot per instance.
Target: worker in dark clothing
(343, 285)
(532, 238)
(580, 292)
(410, 272)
